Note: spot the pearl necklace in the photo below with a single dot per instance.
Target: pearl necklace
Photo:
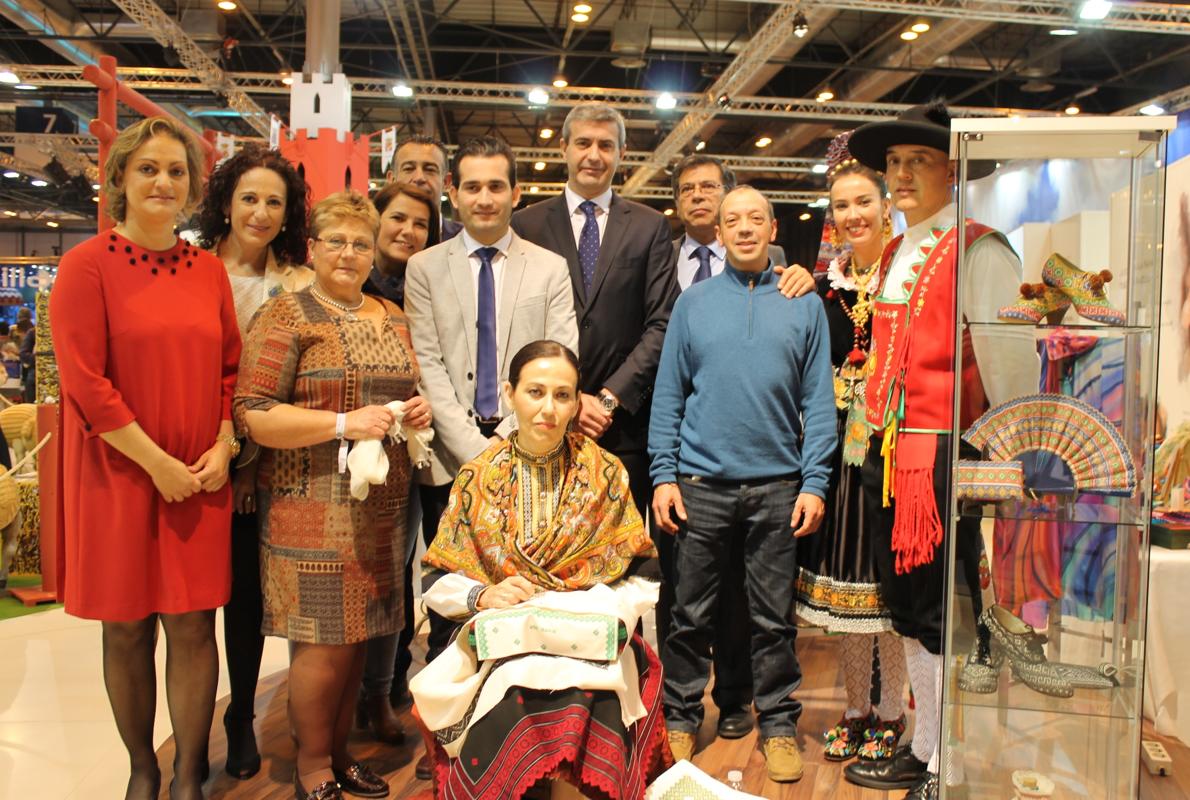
(348, 311)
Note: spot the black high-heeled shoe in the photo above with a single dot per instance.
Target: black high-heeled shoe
(243, 757)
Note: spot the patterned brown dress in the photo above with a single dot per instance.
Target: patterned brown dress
(332, 567)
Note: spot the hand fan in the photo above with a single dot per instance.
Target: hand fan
(1064, 443)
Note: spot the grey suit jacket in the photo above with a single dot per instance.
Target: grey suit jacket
(536, 302)
(776, 252)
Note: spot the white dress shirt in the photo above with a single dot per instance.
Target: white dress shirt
(688, 262)
(1006, 354)
(498, 262)
(577, 218)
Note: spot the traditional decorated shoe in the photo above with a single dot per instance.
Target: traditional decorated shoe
(981, 671)
(881, 739)
(681, 744)
(1024, 648)
(1036, 302)
(843, 740)
(1085, 289)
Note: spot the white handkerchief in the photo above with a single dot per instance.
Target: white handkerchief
(368, 463)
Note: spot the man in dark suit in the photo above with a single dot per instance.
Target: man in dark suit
(421, 160)
(621, 267)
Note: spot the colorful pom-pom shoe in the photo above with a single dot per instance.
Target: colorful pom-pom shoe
(1085, 289)
(1037, 301)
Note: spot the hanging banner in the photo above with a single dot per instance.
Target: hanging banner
(274, 132)
(225, 146)
(388, 147)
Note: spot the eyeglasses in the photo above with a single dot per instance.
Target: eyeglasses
(336, 244)
(706, 187)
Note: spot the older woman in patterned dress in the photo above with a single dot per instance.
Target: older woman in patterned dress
(318, 367)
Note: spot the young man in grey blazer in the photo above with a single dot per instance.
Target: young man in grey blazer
(473, 302)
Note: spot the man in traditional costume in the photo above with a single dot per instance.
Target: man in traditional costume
(910, 404)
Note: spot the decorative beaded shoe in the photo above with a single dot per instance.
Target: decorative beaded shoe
(981, 670)
(1024, 649)
(880, 740)
(1085, 289)
(1035, 303)
(843, 740)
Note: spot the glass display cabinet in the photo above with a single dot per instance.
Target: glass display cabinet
(1053, 441)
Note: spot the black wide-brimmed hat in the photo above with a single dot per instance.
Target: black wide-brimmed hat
(928, 126)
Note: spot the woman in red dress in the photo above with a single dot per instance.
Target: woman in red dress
(147, 346)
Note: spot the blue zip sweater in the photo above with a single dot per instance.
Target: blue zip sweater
(744, 389)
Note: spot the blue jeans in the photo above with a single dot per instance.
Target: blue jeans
(719, 514)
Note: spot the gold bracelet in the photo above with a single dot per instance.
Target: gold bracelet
(232, 443)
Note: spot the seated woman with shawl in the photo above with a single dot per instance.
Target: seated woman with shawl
(548, 677)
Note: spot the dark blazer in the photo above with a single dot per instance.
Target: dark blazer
(621, 324)
(450, 228)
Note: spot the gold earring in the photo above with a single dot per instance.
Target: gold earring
(836, 239)
(886, 229)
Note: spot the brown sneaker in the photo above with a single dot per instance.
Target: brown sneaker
(783, 759)
(681, 744)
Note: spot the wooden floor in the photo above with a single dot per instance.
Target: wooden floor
(821, 693)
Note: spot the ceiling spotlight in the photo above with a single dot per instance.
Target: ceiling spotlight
(801, 25)
(1063, 32)
(919, 27)
(95, 198)
(10, 213)
(578, 17)
(560, 81)
(1153, 110)
(287, 78)
(723, 101)
(669, 212)
(539, 166)
(909, 36)
(51, 224)
(764, 141)
(538, 96)
(372, 184)
(582, 8)
(226, 5)
(38, 182)
(534, 189)
(8, 76)
(12, 174)
(95, 186)
(1095, 9)
(700, 146)
(546, 133)
(805, 216)
(402, 89)
(1072, 110)
(818, 169)
(824, 95)
(821, 202)
(666, 101)
(25, 87)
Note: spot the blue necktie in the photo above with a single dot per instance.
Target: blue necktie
(588, 244)
(487, 401)
(703, 253)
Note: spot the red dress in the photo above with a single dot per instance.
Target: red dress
(149, 336)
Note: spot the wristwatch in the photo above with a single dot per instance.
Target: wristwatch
(609, 403)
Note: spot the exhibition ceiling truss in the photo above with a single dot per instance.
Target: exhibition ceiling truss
(738, 76)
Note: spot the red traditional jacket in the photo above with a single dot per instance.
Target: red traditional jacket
(910, 391)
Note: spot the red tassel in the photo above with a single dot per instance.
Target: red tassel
(857, 356)
(917, 529)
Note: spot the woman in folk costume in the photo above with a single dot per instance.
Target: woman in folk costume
(910, 404)
(837, 585)
(548, 679)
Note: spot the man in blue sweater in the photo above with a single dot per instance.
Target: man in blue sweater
(741, 435)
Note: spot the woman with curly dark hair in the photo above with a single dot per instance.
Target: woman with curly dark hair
(254, 218)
